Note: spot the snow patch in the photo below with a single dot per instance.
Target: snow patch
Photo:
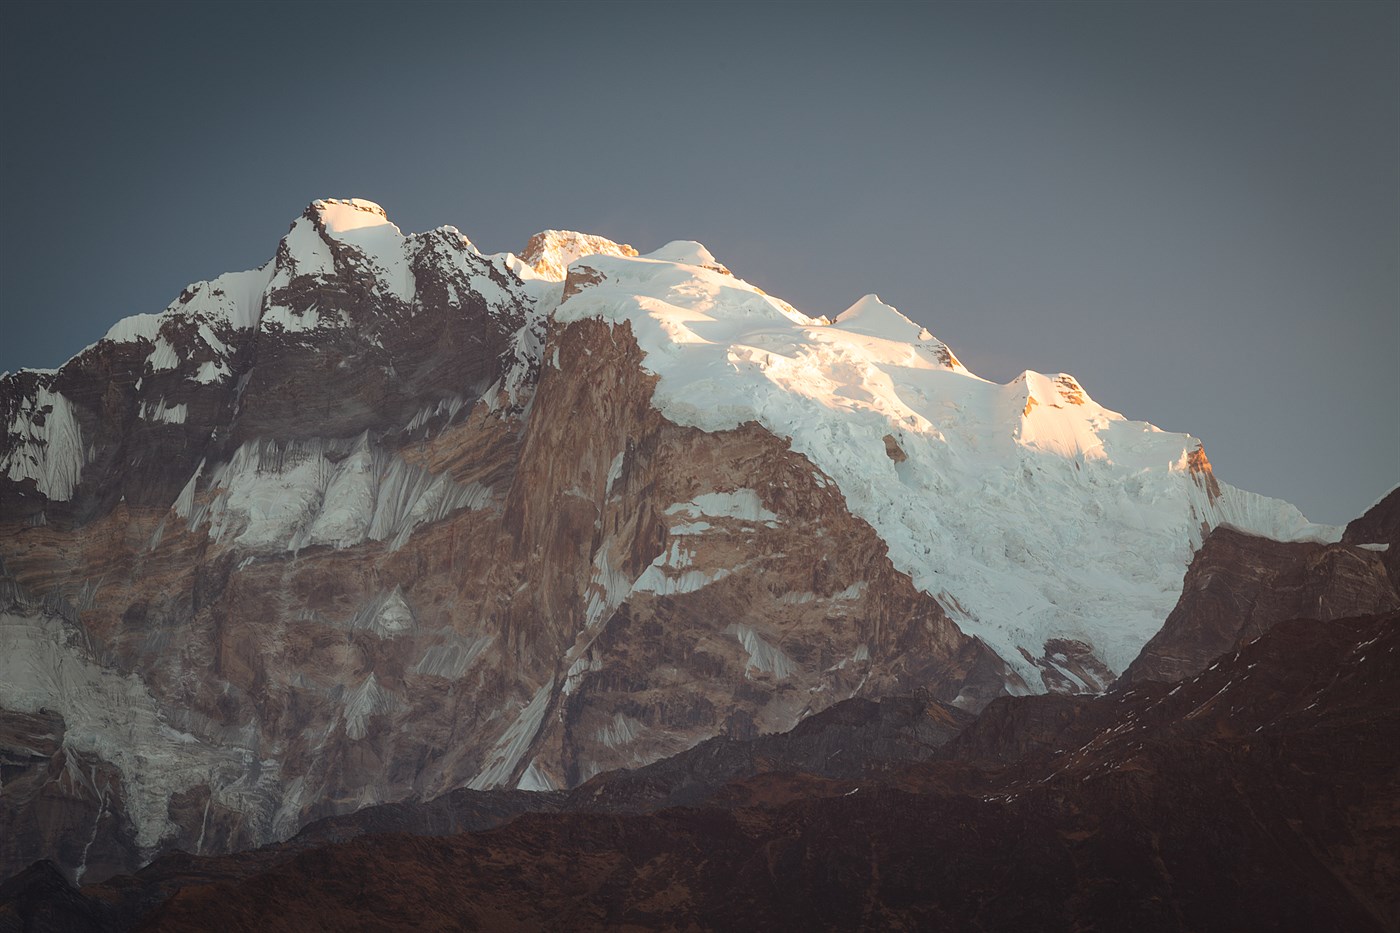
(669, 573)
(136, 327)
(451, 659)
(211, 371)
(514, 742)
(114, 717)
(763, 656)
(184, 502)
(276, 496)
(364, 702)
(46, 444)
(163, 413)
(534, 779)
(743, 504)
(387, 615)
(622, 730)
(690, 528)
(615, 468)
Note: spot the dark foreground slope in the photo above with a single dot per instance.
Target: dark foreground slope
(1263, 794)
(852, 739)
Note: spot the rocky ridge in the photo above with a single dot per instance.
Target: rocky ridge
(1240, 585)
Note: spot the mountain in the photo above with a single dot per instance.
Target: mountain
(388, 517)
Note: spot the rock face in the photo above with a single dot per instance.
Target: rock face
(388, 517)
(1379, 530)
(1240, 585)
(550, 252)
(56, 793)
(1261, 794)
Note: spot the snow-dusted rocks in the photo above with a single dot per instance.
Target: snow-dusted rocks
(550, 252)
(373, 325)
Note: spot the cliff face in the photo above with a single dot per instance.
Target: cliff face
(700, 582)
(1379, 530)
(1239, 585)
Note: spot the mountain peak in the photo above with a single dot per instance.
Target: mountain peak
(341, 215)
(550, 252)
(328, 224)
(1055, 389)
(872, 317)
(688, 253)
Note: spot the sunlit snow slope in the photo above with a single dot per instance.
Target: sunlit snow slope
(1029, 510)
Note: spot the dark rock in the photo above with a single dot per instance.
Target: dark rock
(1240, 585)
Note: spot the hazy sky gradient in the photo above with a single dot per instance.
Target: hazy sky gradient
(1195, 209)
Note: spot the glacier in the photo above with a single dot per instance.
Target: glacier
(1027, 509)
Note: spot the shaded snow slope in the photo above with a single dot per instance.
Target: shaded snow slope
(1029, 510)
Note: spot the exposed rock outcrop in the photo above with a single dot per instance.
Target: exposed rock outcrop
(1379, 530)
(1239, 585)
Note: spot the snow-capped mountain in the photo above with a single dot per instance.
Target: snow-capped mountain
(1031, 512)
(389, 516)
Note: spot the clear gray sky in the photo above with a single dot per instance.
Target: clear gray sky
(1193, 207)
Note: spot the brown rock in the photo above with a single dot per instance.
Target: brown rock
(1239, 585)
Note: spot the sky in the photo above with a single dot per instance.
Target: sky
(1192, 207)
